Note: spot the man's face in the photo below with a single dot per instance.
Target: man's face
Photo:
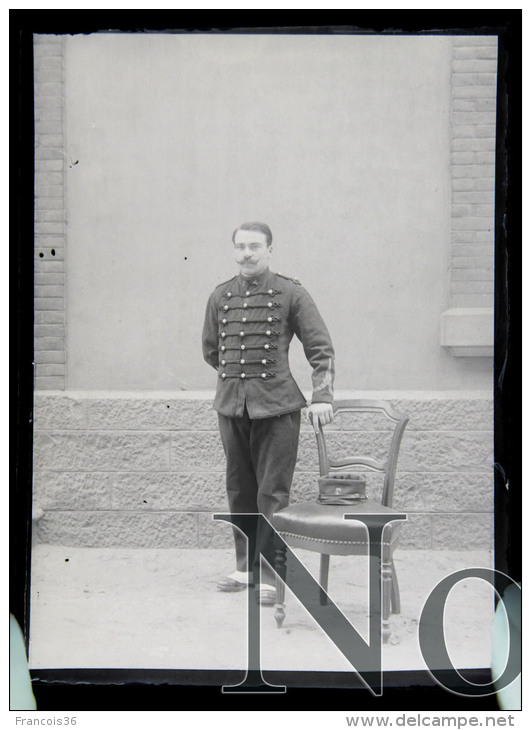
(251, 252)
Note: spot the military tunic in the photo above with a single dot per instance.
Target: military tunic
(249, 324)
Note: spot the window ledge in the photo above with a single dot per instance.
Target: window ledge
(468, 332)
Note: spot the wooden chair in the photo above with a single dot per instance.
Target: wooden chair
(322, 528)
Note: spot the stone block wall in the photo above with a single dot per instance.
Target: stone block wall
(147, 470)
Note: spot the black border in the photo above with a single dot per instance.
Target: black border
(109, 689)
(122, 689)
(21, 374)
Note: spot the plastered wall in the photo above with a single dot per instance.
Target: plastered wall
(341, 144)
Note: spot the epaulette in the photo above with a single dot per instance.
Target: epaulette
(223, 283)
(289, 278)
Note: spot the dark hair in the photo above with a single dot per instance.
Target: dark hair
(262, 227)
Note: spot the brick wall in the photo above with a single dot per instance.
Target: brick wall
(473, 140)
(49, 214)
(148, 470)
(467, 326)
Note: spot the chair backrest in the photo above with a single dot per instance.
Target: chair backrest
(386, 466)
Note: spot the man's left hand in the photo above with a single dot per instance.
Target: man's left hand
(320, 413)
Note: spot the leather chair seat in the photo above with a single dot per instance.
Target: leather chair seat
(324, 529)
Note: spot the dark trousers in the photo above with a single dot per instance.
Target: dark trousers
(261, 455)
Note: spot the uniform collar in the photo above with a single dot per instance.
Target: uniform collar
(254, 281)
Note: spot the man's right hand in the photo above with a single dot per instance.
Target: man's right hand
(320, 413)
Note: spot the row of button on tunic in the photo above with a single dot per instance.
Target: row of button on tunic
(245, 319)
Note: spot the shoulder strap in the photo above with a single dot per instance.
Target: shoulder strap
(289, 278)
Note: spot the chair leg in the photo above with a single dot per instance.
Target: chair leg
(387, 588)
(323, 579)
(395, 592)
(280, 565)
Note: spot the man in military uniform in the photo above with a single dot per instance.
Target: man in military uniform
(249, 323)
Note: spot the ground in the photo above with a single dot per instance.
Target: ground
(132, 608)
